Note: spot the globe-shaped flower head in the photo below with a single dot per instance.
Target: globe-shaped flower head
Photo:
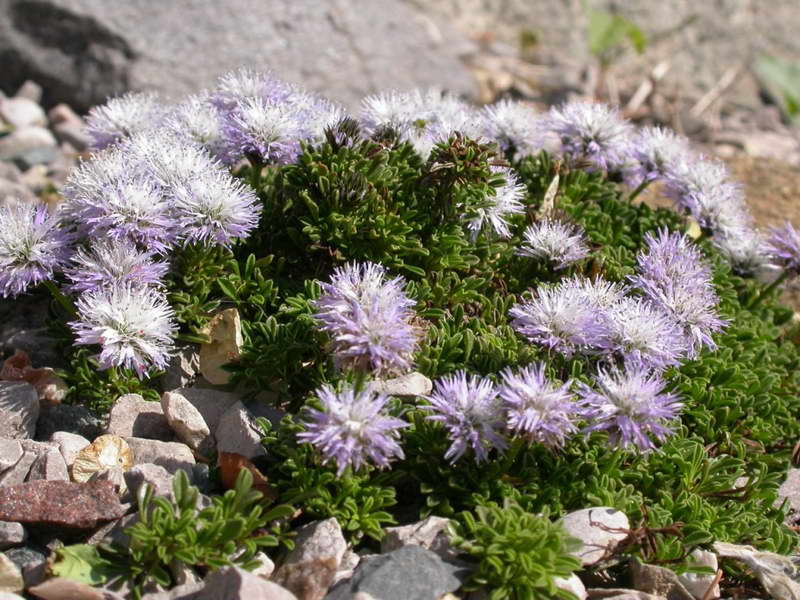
(560, 243)
(110, 263)
(121, 117)
(783, 247)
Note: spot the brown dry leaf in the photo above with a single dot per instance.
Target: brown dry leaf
(225, 331)
(14, 366)
(105, 452)
(231, 463)
(49, 386)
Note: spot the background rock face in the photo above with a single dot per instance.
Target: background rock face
(82, 51)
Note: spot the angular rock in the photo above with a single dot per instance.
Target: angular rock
(19, 409)
(233, 583)
(599, 529)
(10, 575)
(265, 568)
(188, 591)
(49, 466)
(157, 477)
(61, 588)
(115, 476)
(114, 532)
(350, 561)
(170, 455)
(187, 422)
(69, 444)
(68, 417)
(779, 575)
(11, 534)
(310, 567)
(182, 370)
(238, 433)
(224, 331)
(410, 572)
(22, 112)
(12, 194)
(60, 503)
(697, 585)
(659, 581)
(429, 533)
(407, 386)
(620, 594)
(133, 416)
(31, 562)
(211, 404)
(10, 453)
(87, 51)
(31, 451)
(74, 133)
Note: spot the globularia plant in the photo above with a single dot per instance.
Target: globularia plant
(583, 348)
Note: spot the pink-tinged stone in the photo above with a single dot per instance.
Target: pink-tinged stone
(61, 503)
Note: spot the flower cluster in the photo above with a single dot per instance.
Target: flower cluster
(506, 201)
(369, 319)
(560, 243)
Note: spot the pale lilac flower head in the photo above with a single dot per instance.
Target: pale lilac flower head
(642, 333)
(121, 117)
(470, 410)
(783, 247)
(215, 208)
(369, 319)
(506, 201)
(197, 121)
(243, 84)
(563, 319)
(352, 429)
(560, 243)
(33, 246)
(110, 263)
(630, 405)
(515, 126)
(745, 248)
(656, 152)
(593, 133)
(270, 131)
(673, 276)
(133, 326)
(600, 293)
(537, 409)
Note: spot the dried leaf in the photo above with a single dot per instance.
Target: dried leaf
(225, 331)
(231, 463)
(777, 573)
(549, 201)
(105, 452)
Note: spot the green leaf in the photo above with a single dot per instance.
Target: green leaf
(83, 562)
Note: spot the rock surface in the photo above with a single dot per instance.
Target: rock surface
(11, 534)
(238, 433)
(658, 581)
(170, 455)
(428, 533)
(10, 575)
(19, 410)
(233, 583)
(598, 528)
(83, 51)
(60, 503)
(187, 422)
(133, 416)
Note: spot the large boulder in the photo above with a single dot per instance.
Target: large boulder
(82, 51)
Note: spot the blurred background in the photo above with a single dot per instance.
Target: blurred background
(724, 72)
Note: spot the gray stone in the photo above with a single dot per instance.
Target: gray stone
(50, 466)
(265, 567)
(114, 531)
(30, 90)
(429, 533)
(11, 534)
(22, 112)
(36, 178)
(10, 575)
(189, 591)
(31, 562)
(408, 386)
(571, 584)
(410, 572)
(10, 172)
(86, 50)
(31, 451)
(238, 433)
(42, 155)
(599, 529)
(310, 567)
(10, 453)
(19, 410)
(68, 417)
(133, 416)
(74, 134)
(658, 581)
(69, 444)
(21, 144)
(182, 370)
(233, 583)
(210, 403)
(620, 594)
(157, 477)
(187, 422)
(170, 455)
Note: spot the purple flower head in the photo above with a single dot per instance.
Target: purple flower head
(537, 409)
(244, 83)
(560, 243)
(562, 318)
(121, 117)
(215, 207)
(591, 132)
(33, 246)
(631, 405)
(352, 429)
(600, 293)
(368, 318)
(515, 126)
(469, 408)
(642, 333)
(112, 263)
(167, 159)
(133, 327)
(270, 131)
(657, 152)
(745, 248)
(197, 121)
(673, 276)
(507, 200)
(783, 247)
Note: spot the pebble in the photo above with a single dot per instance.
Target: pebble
(182, 369)
(61, 588)
(157, 477)
(589, 525)
(60, 503)
(49, 466)
(429, 533)
(237, 433)
(211, 404)
(10, 575)
(28, 146)
(187, 422)
(31, 562)
(658, 581)
(69, 444)
(22, 112)
(133, 416)
(10, 453)
(408, 386)
(19, 409)
(115, 476)
(170, 455)
(310, 567)
(11, 534)
(573, 585)
(12, 193)
(31, 91)
(229, 583)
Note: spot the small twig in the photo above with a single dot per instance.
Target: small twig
(646, 87)
(710, 591)
(719, 88)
